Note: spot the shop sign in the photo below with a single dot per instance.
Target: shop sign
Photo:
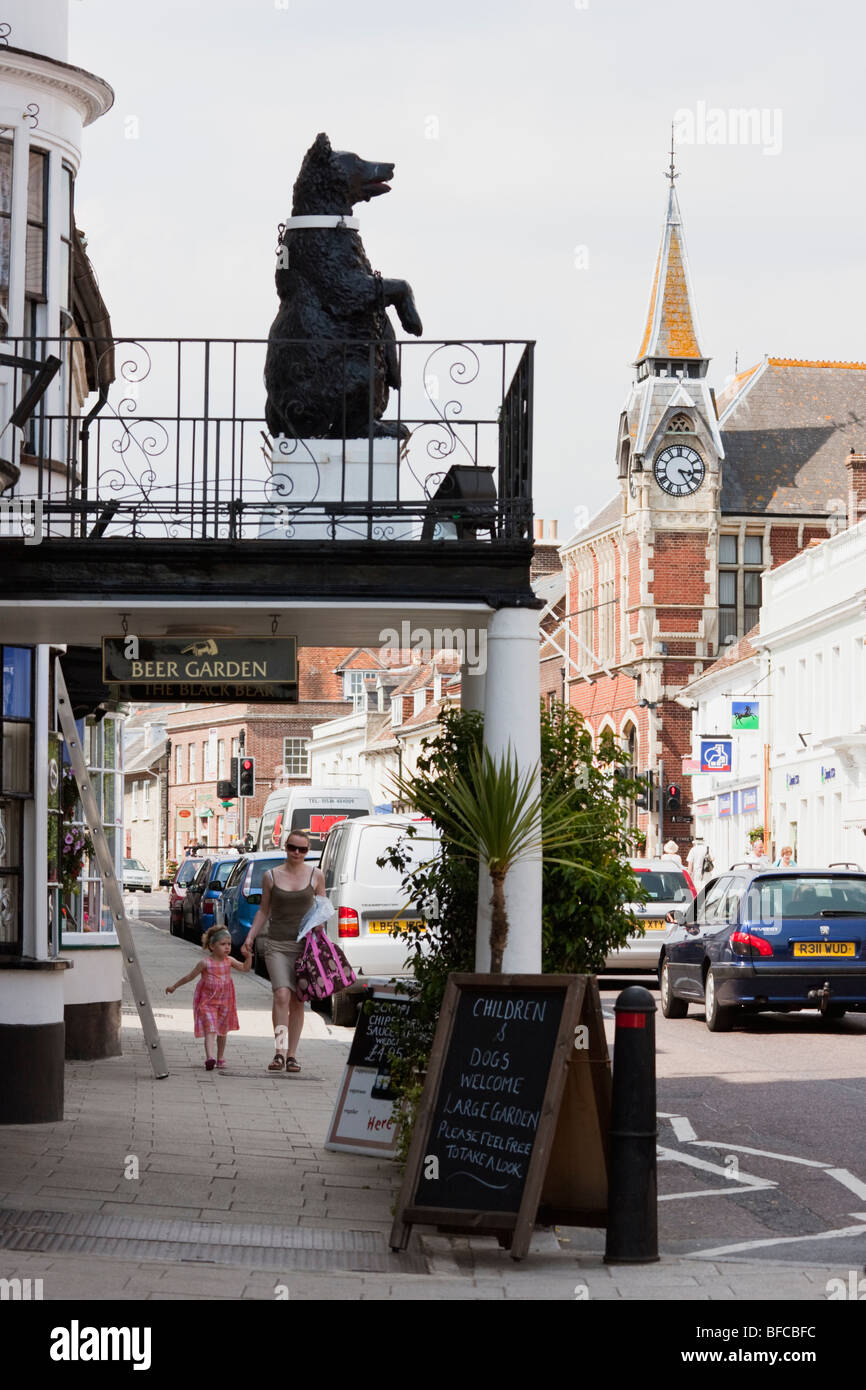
(702, 809)
(750, 799)
(717, 754)
(744, 714)
(792, 779)
(723, 804)
(827, 774)
(198, 659)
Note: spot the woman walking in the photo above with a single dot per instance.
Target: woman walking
(288, 894)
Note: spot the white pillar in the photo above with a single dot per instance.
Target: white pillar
(511, 718)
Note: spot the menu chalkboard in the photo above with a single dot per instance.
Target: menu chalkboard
(490, 1098)
(377, 1039)
(515, 1112)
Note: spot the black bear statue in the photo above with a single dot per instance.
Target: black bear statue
(332, 322)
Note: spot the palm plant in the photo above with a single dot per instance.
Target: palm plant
(492, 811)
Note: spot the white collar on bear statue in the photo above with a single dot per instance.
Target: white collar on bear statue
(350, 224)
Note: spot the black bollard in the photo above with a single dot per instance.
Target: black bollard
(632, 1223)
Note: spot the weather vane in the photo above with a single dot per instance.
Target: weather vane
(671, 172)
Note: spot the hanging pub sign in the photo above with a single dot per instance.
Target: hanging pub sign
(717, 754)
(199, 667)
(744, 714)
(515, 1116)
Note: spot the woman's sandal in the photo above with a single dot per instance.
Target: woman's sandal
(292, 1064)
(278, 1063)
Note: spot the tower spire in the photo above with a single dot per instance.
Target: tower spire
(671, 333)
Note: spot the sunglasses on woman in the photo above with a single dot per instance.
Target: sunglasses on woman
(299, 849)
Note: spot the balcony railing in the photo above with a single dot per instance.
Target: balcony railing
(177, 446)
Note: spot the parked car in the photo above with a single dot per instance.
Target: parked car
(136, 876)
(241, 898)
(202, 894)
(370, 900)
(776, 940)
(665, 886)
(178, 885)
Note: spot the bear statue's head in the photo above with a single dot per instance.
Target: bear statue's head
(333, 181)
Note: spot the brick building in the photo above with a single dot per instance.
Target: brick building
(205, 737)
(711, 490)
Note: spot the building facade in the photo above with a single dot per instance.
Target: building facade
(712, 491)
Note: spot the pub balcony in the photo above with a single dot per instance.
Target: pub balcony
(173, 447)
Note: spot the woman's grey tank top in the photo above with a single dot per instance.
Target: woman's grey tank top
(288, 909)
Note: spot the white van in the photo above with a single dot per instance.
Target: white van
(368, 899)
(311, 809)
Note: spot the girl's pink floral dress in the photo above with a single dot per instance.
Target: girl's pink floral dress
(213, 1006)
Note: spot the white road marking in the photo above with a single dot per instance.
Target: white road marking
(732, 1190)
(848, 1180)
(682, 1129)
(742, 1182)
(764, 1153)
(783, 1240)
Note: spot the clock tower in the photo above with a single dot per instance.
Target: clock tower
(669, 452)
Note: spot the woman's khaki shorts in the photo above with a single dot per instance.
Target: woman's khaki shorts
(281, 958)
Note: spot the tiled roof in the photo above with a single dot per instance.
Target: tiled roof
(671, 326)
(610, 515)
(737, 652)
(788, 434)
(732, 388)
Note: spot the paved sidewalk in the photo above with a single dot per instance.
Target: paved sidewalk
(210, 1185)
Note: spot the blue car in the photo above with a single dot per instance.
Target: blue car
(243, 894)
(768, 940)
(202, 895)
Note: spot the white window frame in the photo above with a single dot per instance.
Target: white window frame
(293, 764)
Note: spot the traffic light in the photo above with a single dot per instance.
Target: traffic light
(246, 777)
(673, 799)
(227, 789)
(644, 799)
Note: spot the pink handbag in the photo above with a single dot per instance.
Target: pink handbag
(322, 969)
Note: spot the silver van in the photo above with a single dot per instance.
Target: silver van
(370, 900)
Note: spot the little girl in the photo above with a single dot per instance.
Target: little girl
(213, 1006)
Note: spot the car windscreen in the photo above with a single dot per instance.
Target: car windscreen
(377, 841)
(221, 873)
(662, 886)
(260, 867)
(133, 864)
(188, 870)
(800, 896)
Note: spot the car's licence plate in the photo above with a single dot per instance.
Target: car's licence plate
(381, 925)
(824, 948)
(656, 924)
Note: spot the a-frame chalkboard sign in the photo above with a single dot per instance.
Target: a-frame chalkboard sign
(514, 1120)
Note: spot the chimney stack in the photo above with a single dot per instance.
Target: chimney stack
(539, 528)
(856, 466)
(554, 530)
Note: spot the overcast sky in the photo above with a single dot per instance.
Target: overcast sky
(530, 145)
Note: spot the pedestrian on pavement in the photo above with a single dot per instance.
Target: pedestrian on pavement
(699, 861)
(786, 859)
(288, 895)
(672, 851)
(213, 1005)
(756, 858)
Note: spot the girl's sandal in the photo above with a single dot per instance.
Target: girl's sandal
(291, 1064)
(220, 1066)
(278, 1063)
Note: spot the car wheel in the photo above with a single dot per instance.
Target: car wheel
(719, 1020)
(344, 1009)
(833, 1012)
(175, 927)
(671, 1006)
(148, 890)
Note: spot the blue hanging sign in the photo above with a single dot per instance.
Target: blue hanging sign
(717, 754)
(724, 804)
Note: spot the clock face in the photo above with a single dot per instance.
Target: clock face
(679, 470)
